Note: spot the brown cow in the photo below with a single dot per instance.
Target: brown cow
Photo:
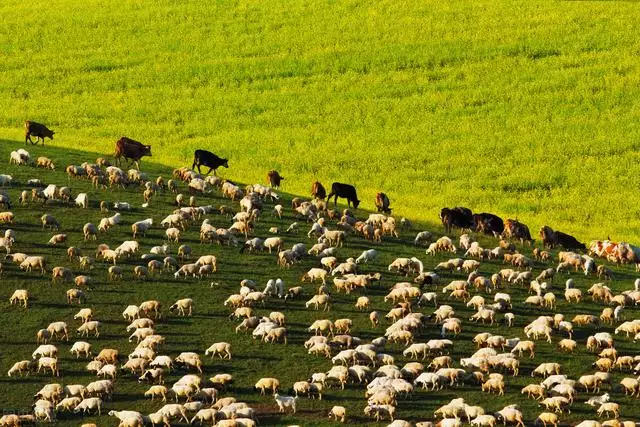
(131, 150)
(38, 130)
(318, 191)
(274, 178)
(382, 203)
(517, 230)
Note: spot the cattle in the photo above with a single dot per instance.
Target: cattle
(131, 150)
(318, 191)
(517, 230)
(382, 203)
(551, 239)
(459, 217)
(345, 191)
(274, 178)
(488, 224)
(208, 159)
(38, 130)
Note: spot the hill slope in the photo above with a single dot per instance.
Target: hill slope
(526, 109)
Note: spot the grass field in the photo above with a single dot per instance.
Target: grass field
(525, 109)
(251, 360)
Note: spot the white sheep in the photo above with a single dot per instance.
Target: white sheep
(141, 227)
(285, 402)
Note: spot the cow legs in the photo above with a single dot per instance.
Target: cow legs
(211, 169)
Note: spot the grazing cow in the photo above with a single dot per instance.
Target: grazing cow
(382, 203)
(345, 191)
(274, 178)
(551, 239)
(459, 217)
(131, 150)
(208, 159)
(517, 230)
(318, 191)
(488, 224)
(38, 130)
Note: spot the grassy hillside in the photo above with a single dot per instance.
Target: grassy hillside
(251, 360)
(526, 109)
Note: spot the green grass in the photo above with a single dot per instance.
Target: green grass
(251, 360)
(524, 109)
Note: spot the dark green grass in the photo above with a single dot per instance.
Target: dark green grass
(251, 360)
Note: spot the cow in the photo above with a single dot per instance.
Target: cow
(318, 191)
(38, 130)
(382, 203)
(488, 224)
(131, 150)
(345, 191)
(517, 230)
(459, 217)
(551, 239)
(208, 159)
(274, 178)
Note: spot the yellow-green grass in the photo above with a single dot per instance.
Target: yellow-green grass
(524, 109)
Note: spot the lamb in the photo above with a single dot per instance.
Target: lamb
(20, 367)
(89, 404)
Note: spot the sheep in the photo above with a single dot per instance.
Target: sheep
(182, 306)
(108, 355)
(49, 363)
(33, 262)
(81, 347)
(267, 384)
(151, 306)
(128, 418)
(131, 312)
(189, 359)
(380, 411)
(609, 407)
(20, 296)
(222, 349)
(92, 326)
(567, 345)
(141, 227)
(20, 367)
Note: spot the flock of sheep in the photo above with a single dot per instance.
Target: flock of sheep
(419, 300)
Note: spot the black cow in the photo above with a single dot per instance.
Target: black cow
(488, 224)
(345, 191)
(208, 159)
(459, 217)
(551, 238)
(38, 130)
